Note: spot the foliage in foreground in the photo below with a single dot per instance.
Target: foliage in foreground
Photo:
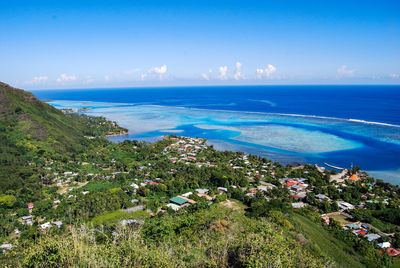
(206, 238)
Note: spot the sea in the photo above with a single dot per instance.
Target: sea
(342, 125)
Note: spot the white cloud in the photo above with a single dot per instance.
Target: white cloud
(159, 70)
(394, 76)
(267, 72)
(344, 72)
(66, 78)
(205, 77)
(40, 79)
(37, 80)
(155, 71)
(223, 72)
(106, 78)
(238, 74)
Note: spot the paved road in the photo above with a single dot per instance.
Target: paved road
(133, 209)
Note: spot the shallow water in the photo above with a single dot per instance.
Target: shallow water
(283, 138)
(340, 125)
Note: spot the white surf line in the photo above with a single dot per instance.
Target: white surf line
(243, 112)
(280, 114)
(270, 103)
(94, 102)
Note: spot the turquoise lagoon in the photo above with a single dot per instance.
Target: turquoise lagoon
(287, 138)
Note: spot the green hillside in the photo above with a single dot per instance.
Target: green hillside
(31, 130)
(329, 245)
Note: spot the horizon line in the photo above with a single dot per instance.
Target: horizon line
(220, 86)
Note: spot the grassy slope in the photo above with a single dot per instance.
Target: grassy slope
(30, 129)
(328, 244)
(214, 237)
(39, 120)
(118, 215)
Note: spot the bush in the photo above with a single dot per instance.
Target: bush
(7, 201)
(221, 197)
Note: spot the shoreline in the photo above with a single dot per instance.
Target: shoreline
(274, 155)
(124, 133)
(352, 120)
(387, 175)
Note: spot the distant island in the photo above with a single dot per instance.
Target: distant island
(70, 197)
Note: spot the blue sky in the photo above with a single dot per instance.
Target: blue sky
(84, 44)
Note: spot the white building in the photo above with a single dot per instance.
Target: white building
(298, 205)
(384, 245)
(344, 205)
(372, 237)
(45, 226)
(5, 247)
(173, 206)
(187, 194)
(58, 224)
(27, 220)
(202, 191)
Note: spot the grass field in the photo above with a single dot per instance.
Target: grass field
(326, 242)
(341, 219)
(114, 216)
(100, 186)
(234, 204)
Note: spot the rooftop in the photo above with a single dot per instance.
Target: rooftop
(178, 200)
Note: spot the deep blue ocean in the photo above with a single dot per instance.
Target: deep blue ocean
(340, 125)
(371, 103)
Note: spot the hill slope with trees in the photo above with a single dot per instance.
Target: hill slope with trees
(31, 129)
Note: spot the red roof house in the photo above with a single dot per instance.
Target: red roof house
(393, 252)
(354, 178)
(31, 205)
(290, 183)
(361, 232)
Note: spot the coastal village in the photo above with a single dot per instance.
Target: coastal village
(149, 191)
(71, 184)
